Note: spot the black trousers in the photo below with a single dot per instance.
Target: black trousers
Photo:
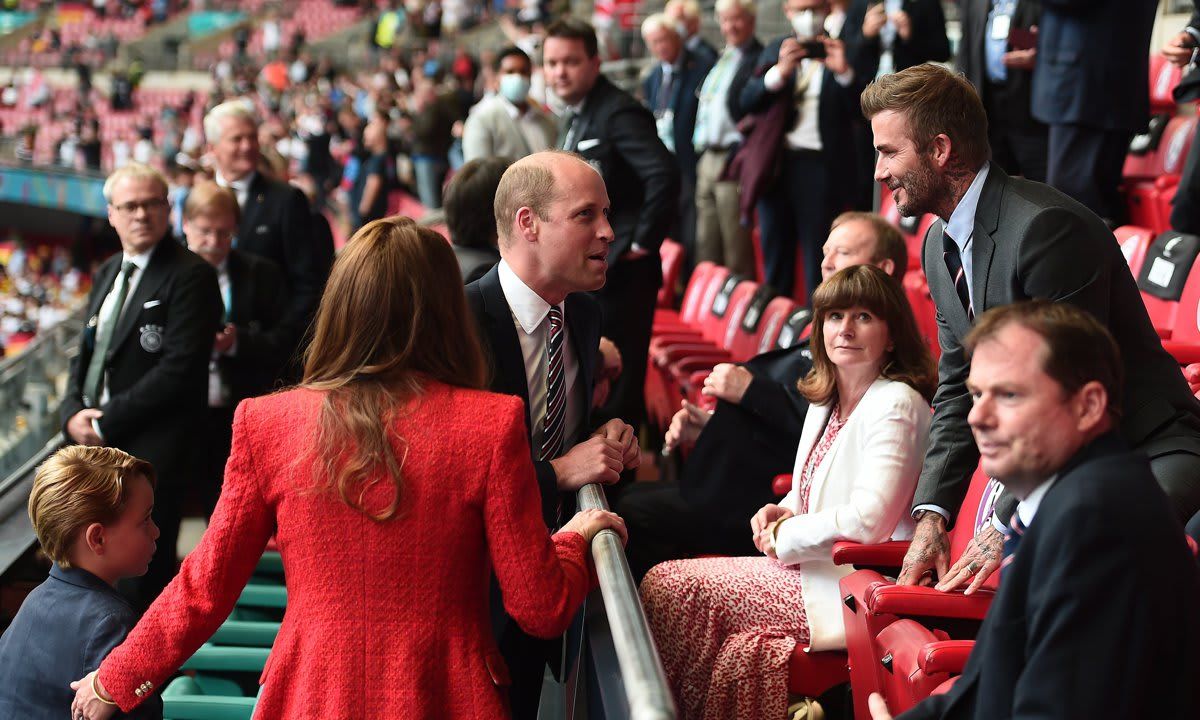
(1085, 163)
(794, 214)
(1020, 148)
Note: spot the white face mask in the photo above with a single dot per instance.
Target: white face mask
(514, 87)
(808, 23)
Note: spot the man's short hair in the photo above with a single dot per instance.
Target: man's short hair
(690, 8)
(934, 101)
(210, 199)
(512, 51)
(747, 6)
(572, 28)
(133, 171)
(889, 243)
(526, 184)
(473, 187)
(215, 118)
(76, 487)
(1079, 349)
(656, 22)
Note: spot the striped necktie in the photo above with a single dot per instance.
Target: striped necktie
(1012, 539)
(954, 264)
(556, 391)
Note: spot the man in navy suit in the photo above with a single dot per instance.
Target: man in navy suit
(1096, 611)
(671, 93)
(542, 331)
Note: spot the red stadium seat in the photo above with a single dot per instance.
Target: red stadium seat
(1151, 177)
(916, 288)
(672, 264)
(1164, 76)
(1134, 241)
(915, 661)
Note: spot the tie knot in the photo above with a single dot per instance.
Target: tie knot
(556, 316)
(948, 243)
(128, 267)
(1018, 527)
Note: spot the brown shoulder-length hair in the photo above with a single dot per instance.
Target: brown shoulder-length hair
(393, 315)
(869, 287)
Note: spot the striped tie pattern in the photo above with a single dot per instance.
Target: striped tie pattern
(556, 391)
(954, 264)
(1012, 538)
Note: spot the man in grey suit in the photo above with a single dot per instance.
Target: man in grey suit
(1002, 240)
(507, 124)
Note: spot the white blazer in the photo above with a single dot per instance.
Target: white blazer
(862, 491)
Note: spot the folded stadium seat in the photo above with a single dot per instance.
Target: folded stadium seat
(742, 340)
(709, 326)
(1151, 179)
(717, 327)
(1169, 281)
(201, 697)
(916, 662)
(1134, 242)
(671, 254)
(1164, 76)
(916, 289)
(872, 602)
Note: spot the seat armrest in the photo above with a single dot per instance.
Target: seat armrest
(675, 352)
(884, 554)
(683, 367)
(891, 599)
(946, 656)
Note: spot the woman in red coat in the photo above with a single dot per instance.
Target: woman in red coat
(394, 489)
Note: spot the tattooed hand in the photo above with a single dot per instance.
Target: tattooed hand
(981, 558)
(929, 551)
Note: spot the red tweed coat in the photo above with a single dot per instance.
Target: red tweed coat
(384, 619)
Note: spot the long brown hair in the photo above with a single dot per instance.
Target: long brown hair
(867, 286)
(393, 314)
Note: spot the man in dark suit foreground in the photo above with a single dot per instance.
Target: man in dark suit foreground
(1096, 613)
(252, 345)
(138, 382)
(1002, 240)
(542, 333)
(616, 135)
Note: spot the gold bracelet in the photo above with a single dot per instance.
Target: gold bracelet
(96, 690)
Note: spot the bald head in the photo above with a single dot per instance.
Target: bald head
(532, 182)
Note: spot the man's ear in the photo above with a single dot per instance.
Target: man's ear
(93, 535)
(1091, 405)
(527, 224)
(887, 265)
(940, 148)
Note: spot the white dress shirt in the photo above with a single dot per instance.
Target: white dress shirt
(530, 313)
(241, 187)
(714, 126)
(961, 227)
(140, 262)
(1028, 507)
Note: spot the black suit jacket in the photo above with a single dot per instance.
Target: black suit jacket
(278, 225)
(1093, 63)
(158, 359)
(616, 135)
(1096, 615)
(258, 301)
(927, 43)
(486, 299)
(745, 69)
(1013, 97)
(683, 103)
(743, 447)
(1033, 242)
(62, 632)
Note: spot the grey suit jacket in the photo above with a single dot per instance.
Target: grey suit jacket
(1033, 242)
(490, 131)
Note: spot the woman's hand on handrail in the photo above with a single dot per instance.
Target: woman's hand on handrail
(589, 522)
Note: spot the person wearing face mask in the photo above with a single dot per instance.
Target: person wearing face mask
(508, 124)
(796, 161)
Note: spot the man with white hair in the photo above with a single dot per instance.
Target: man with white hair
(720, 237)
(276, 220)
(140, 380)
(687, 14)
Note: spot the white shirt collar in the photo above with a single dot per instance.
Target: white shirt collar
(1028, 507)
(961, 225)
(241, 185)
(141, 259)
(527, 306)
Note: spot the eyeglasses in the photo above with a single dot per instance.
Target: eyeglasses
(130, 209)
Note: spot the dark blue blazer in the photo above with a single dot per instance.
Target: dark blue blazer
(1093, 63)
(684, 103)
(1096, 615)
(64, 629)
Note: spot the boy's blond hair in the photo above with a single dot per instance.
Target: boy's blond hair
(79, 486)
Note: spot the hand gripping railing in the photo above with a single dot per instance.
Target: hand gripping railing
(641, 671)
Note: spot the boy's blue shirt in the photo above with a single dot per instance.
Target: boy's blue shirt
(62, 632)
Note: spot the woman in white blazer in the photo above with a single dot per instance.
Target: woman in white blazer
(725, 627)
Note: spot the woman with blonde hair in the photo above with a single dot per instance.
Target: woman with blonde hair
(726, 626)
(394, 488)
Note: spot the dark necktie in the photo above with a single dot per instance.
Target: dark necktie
(954, 264)
(664, 92)
(1012, 539)
(566, 141)
(93, 383)
(556, 391)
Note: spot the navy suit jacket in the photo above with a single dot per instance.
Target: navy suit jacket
(684, 102)
(1096, 615)
(1093, 63)
(494, 317)
(62, 632)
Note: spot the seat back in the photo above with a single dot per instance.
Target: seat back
(1169, 281)
(714, 321)
(1134, 241)
(671, 254)
(904, 682)
(916, 289)
(739, 301)
(772, 321)
(742, 339)
(795, 328)
(693, 295)
(1164, 76)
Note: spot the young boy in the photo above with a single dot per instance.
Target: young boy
(90, 508)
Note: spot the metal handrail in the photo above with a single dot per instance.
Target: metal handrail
(641, 670)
